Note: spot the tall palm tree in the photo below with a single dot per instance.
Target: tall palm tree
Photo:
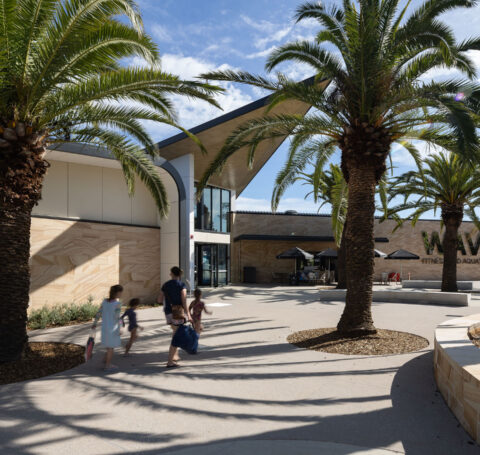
(61, 80)
(449, 184)
(376, 96)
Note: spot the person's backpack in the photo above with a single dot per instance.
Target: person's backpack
(186, 338)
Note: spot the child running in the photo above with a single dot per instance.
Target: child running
(197, 307)
(110, 314)
(133, 327)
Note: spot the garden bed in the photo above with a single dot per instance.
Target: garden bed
(42, 359)
(384, 342)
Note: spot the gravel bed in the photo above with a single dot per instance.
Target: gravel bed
(42, 359)
(384, 342)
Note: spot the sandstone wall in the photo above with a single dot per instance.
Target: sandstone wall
(72, 260)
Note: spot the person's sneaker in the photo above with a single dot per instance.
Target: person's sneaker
(111, 369)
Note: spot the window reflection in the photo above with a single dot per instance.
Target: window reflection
(212, 212)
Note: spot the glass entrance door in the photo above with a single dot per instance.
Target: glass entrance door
(211, 264)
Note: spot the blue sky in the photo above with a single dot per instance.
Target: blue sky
(197, 36)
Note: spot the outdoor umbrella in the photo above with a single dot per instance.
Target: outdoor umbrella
(329, 253)
(379, 254)
(295, 253)
(402, 255)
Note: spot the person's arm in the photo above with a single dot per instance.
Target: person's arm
(97, 318)
(184, 304)
(161, 298)
(206, 309)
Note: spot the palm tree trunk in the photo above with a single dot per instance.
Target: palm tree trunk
(14, 281)
(342, 262)
(452, 217)
(359, 236)
(22, 169)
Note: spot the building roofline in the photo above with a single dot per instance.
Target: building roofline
(320, 215)
(254, 212)
(296, 238)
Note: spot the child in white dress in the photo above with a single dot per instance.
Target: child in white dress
(110, 313)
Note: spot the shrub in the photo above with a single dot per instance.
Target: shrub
(62, 314)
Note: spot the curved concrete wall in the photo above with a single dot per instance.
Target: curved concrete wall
(457, 371)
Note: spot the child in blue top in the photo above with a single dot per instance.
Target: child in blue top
(133, 326)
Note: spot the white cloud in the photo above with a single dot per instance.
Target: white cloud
(272, 38)
(161, 33)
(260, 54)
(263, 205)
(192, 112)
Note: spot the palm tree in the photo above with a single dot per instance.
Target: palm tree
(375, 97)
(61, 80)
(450, 184)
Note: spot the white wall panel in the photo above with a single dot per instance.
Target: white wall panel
(54, 200)
(80, 191)
(84, 192)
(144, 210)
(117, 204)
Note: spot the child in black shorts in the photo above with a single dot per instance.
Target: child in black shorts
(133, 326)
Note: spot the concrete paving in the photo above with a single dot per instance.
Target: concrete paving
(247, 391)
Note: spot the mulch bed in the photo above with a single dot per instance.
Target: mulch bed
(384, 342)
(42, 359)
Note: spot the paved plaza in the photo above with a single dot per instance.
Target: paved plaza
(247, 391)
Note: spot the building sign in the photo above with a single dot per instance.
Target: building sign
(466, 245)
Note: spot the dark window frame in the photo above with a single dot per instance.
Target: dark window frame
(204, 222)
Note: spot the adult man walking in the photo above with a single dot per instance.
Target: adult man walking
(174, 298)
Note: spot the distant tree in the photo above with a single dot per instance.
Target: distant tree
(449, 184)
(61, 80)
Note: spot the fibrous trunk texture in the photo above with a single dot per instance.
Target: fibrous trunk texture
(364, 151)
(452, 216)
(22, 169)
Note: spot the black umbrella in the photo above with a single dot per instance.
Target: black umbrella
(295, 253)
(328, 253)
(402, 255)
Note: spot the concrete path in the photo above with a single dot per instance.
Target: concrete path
(248, 391)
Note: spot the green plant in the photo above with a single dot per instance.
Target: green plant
(68, 74)
(62, 314)
(370, 59)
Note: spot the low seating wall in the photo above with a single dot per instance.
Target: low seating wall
(406, 296)
(426, 284)
(457, 371)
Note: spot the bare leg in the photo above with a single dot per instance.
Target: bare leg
(172, 355)
(133, 337)
(108, 357)
(173, 351)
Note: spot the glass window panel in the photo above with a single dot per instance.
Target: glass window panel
(216, 210)
(222, 264)
(225, 211)
(207, 209)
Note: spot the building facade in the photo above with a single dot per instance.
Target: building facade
(88, 233)
(257, 239)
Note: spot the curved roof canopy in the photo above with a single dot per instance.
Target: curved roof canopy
(235, 175)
